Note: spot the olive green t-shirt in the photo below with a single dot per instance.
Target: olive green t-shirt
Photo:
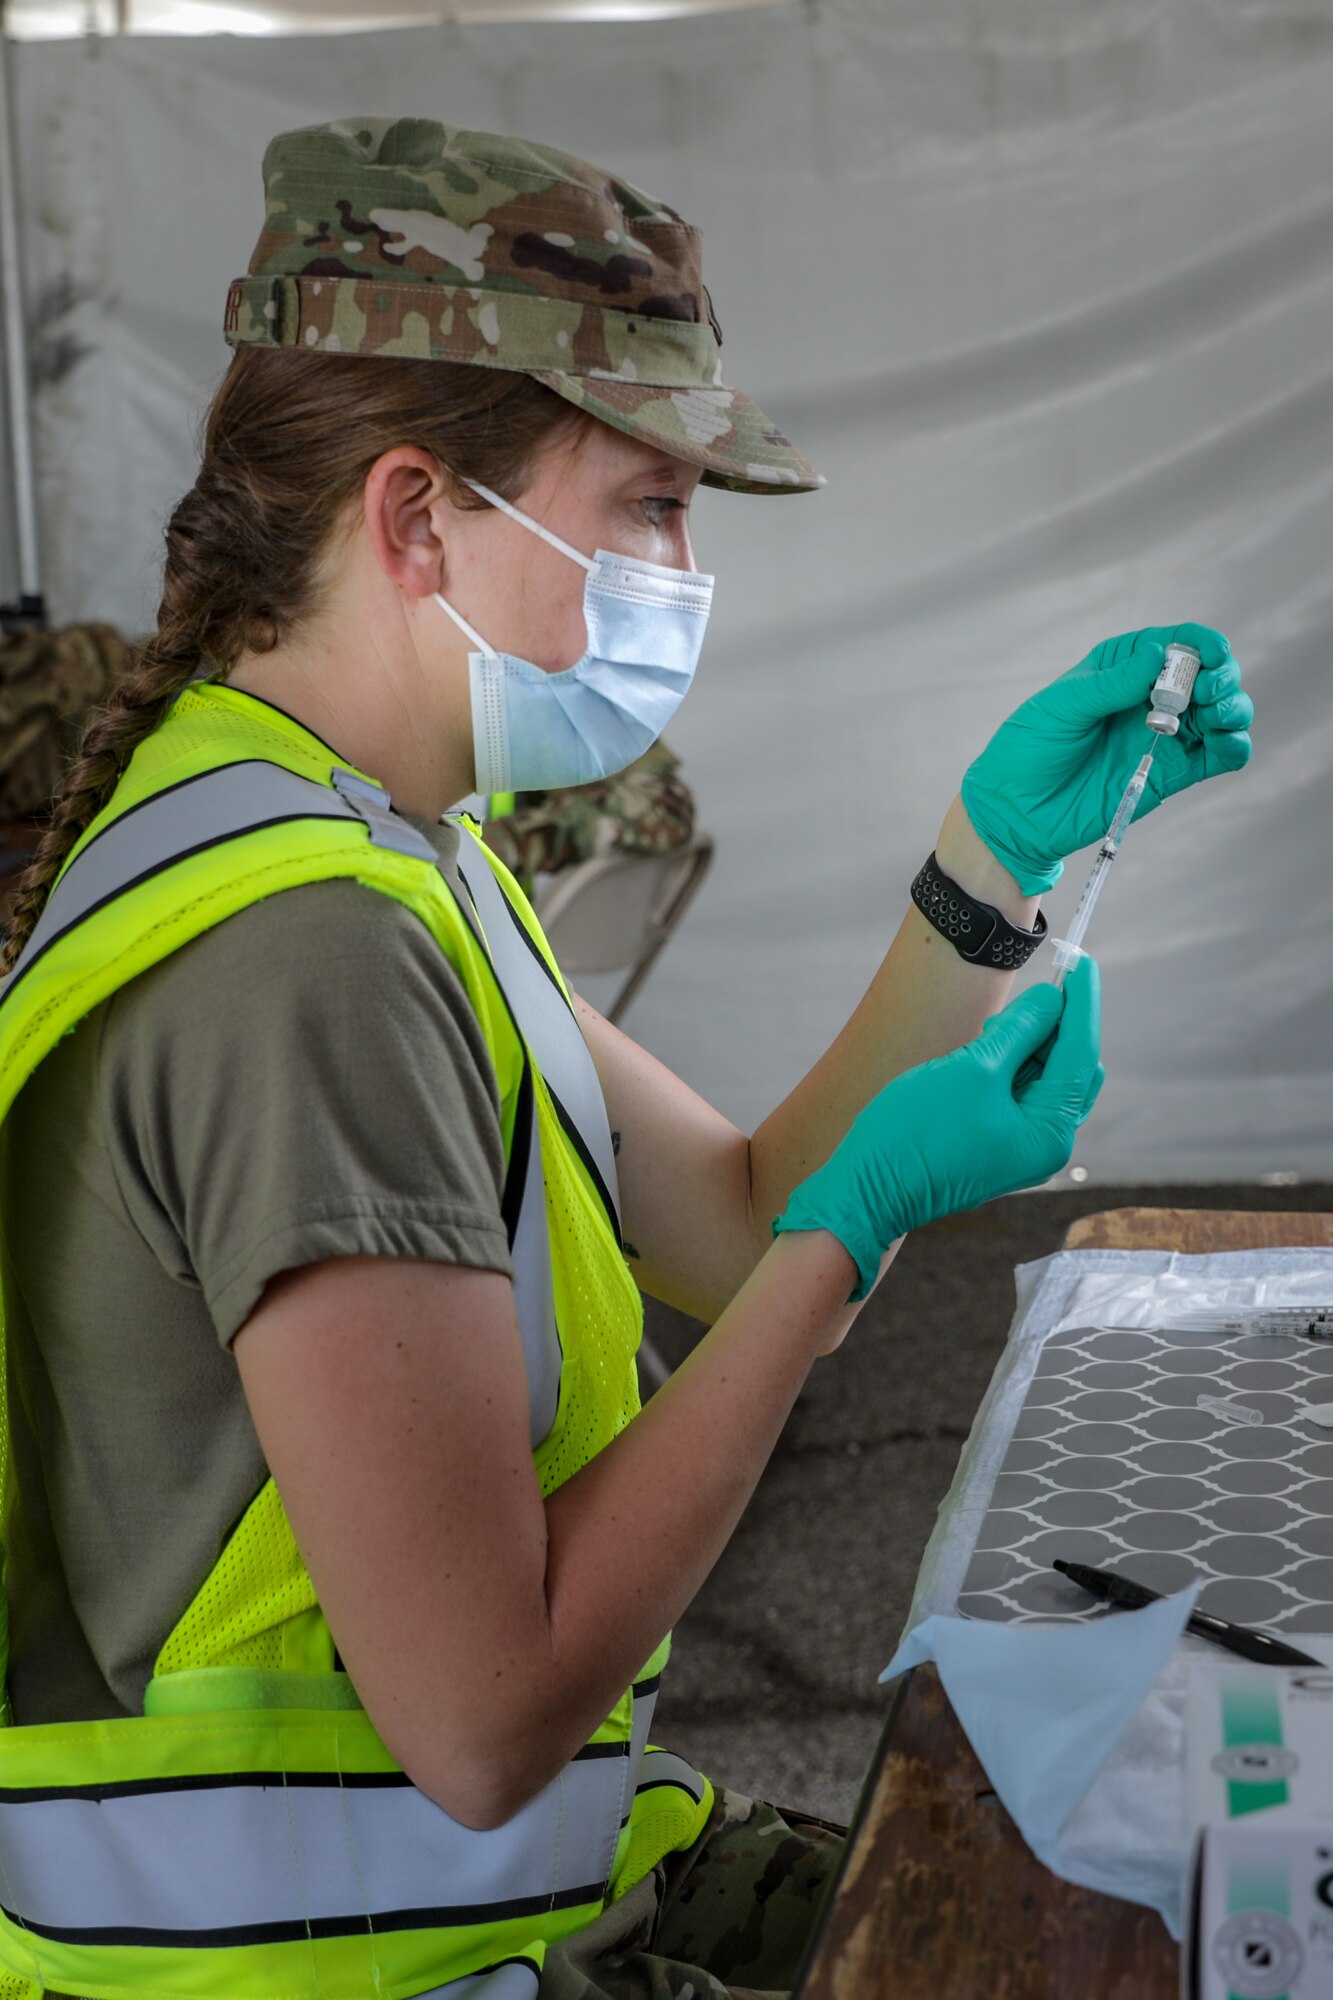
(306, 1080)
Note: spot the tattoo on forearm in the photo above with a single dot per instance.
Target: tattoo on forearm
(630, 1251)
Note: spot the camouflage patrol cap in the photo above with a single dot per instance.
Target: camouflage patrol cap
(400, 236)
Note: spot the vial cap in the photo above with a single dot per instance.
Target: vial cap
(1164, 722)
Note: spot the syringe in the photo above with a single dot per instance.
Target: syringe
(1305, 1322)
(1067, 952)
(1171, 696)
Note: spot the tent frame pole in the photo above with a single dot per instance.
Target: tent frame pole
(31, 609)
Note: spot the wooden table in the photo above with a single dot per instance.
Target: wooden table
(939, 1898)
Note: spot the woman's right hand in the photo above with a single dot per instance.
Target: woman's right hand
(998, 1114)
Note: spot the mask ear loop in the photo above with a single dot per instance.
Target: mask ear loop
(526, 521)
(468, 631)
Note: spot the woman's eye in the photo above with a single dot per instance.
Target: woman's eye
(657, 507)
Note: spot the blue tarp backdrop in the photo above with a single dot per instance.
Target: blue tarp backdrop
(1045, 289)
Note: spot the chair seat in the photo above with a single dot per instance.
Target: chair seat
(618, 910)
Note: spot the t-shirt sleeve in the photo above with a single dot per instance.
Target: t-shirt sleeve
(306, 1080)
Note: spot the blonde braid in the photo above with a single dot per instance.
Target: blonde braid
(158, 670)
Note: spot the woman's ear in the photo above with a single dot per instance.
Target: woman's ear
(404, 505)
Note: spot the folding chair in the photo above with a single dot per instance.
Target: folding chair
(619, 910)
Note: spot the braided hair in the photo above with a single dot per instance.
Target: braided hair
(288, 443)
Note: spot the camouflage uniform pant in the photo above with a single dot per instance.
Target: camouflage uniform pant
(727, 1919)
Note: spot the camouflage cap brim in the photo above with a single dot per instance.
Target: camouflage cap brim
(721, 430)
(668, 394)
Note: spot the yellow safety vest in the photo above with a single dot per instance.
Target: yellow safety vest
(250, 1836)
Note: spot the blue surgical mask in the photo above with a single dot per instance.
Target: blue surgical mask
(539, 732)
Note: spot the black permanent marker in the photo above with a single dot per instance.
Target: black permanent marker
(1113, 1588)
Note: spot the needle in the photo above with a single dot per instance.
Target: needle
(1067, 952)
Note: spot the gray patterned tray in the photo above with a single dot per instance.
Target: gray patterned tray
(1114, 1463)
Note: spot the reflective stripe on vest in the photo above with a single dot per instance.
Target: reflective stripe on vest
(240, 798)
(271, 1857)
(557, 1040)
(184, 819)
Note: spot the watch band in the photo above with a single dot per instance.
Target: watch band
(978, 932)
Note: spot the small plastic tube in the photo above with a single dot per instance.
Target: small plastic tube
(1173, 689)
(1303, 1322)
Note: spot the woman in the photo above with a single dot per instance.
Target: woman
(313, 1188)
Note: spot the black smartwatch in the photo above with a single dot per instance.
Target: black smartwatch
(978, 932)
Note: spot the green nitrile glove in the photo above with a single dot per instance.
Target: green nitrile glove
(1051, 777)
(998, 1114)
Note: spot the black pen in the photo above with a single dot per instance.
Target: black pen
(1115, 1589)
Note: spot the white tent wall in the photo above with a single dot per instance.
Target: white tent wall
(1045, 288)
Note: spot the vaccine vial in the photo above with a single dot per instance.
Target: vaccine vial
(1173, 688)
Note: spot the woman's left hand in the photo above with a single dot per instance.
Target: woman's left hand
(1051, 777)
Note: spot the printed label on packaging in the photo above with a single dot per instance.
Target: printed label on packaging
(1260, 1759)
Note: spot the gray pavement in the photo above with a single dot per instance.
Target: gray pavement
(772, 1686)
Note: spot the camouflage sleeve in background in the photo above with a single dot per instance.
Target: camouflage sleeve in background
(643, 810)
(49, 683)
